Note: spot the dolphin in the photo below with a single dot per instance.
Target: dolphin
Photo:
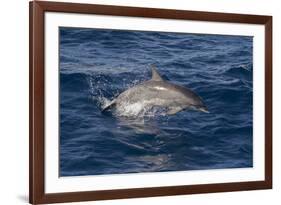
(158, 92)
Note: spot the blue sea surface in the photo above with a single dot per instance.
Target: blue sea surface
(96, 65)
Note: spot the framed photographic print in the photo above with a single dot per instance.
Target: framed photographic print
(139, 102)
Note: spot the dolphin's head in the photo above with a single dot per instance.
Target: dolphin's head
(203, 109)
(192, 100)
(199, 105)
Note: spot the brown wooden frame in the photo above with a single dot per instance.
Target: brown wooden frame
(37, 194)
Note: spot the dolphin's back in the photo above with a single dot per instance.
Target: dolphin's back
(158, 93)
(177, 93)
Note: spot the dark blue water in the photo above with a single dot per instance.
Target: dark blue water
(97, 65)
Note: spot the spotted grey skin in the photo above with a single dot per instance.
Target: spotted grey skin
(159, 93)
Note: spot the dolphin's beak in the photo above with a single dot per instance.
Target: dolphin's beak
(204, 109)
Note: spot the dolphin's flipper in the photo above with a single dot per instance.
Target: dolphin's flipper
(174, 110)
(110, 105)
(155, 74)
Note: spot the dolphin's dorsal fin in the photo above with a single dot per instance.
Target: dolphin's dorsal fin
(155, 75)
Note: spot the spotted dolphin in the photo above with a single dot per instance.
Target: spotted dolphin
(158, 92)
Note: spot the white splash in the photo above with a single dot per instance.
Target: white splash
(131, 110)
(142, 109)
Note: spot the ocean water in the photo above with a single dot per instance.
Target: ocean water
(97, 65)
